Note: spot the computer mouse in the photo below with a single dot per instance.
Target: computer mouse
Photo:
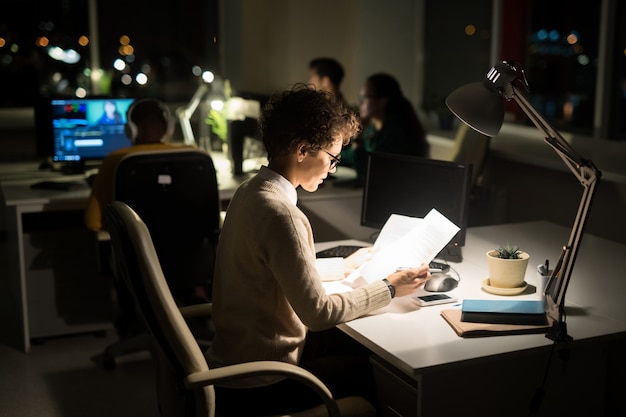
(440, 283)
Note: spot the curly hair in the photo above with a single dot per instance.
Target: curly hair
(304, 115)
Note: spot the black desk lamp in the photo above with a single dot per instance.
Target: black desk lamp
(480, 106)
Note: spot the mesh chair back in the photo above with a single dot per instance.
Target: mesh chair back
(176, 194)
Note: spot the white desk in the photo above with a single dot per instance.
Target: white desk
(54, 286)
(424, 368)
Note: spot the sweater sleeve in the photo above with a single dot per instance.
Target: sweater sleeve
(292, 258)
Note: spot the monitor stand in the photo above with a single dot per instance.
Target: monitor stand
(451, 253)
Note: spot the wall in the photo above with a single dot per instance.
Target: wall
(267, 44)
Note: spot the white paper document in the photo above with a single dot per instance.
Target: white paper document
(330, 269)
(407, 242)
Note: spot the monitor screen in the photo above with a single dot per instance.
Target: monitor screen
(412, 186)
(82, 129)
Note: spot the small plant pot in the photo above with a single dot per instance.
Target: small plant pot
(506, 273)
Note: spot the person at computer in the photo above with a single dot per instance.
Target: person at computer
(390, 125)
(150, 119)
(326, 74)
(111, 115)
(268, 299)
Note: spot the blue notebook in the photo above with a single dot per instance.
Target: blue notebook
(504, 311)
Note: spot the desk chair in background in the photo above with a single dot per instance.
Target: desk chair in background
(473, 148)
(176, 193)
(184, 380)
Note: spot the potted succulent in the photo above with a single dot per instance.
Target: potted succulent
(507, 266)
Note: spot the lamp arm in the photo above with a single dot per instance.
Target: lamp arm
(184, 114)
(588, 175)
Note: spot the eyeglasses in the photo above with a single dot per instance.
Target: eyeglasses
(335, 159)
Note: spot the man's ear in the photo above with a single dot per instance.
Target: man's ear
(302, 148)
(301, 151)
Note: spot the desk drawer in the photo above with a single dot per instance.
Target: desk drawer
(397, 394)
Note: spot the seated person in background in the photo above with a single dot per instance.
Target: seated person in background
(268, 299)
(391, 125)
(148, 122)
(151, 120)
(326, 74)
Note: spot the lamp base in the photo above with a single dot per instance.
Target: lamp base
(558, 332)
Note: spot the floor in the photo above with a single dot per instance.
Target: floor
(58, 378)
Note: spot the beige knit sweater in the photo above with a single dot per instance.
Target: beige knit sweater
(267, 291)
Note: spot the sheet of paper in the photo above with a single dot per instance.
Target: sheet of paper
(395, 228)
(330, 269)
(417, 246)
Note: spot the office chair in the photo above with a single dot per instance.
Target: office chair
(184, 380)
(176, 193)
(471, 147)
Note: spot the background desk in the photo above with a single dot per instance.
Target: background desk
(424, 368)
(53, 285)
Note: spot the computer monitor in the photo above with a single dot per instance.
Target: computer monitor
(75, 130)
(412, 186)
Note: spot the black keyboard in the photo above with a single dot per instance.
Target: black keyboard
(341, 251)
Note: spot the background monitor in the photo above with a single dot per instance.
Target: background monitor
(81, 129)
(412, 186)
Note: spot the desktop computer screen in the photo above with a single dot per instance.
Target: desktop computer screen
(81, 129)
(412, 186)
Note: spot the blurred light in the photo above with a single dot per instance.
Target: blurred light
(542, 34)
(196, 70)
(87, 72)
(62, 84)
(14, 48)
(80, 92)
(56, 53)
(624, 51)
(119, 64)
(46, 26)
(56, 77)
(146, 68)
(470, 30)
(217, 105)
(3, 42)
(578, 49)
(97, 74)
(126, 50)
(130, 58)
(42, 41)
(554, 35)
(583, 59)
(208, 76)
(124, 40)
(83, 41)
(572, 38)
(69, 56)
(126, 79)
(141, 78)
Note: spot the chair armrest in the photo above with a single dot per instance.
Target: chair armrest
(259, 368)
(197, 310)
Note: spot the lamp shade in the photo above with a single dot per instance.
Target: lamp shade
(480, 105)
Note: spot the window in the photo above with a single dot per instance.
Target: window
(574, 83)
(145, 48)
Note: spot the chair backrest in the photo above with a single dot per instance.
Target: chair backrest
(137, 264)
(471, 147)
(176, 194)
